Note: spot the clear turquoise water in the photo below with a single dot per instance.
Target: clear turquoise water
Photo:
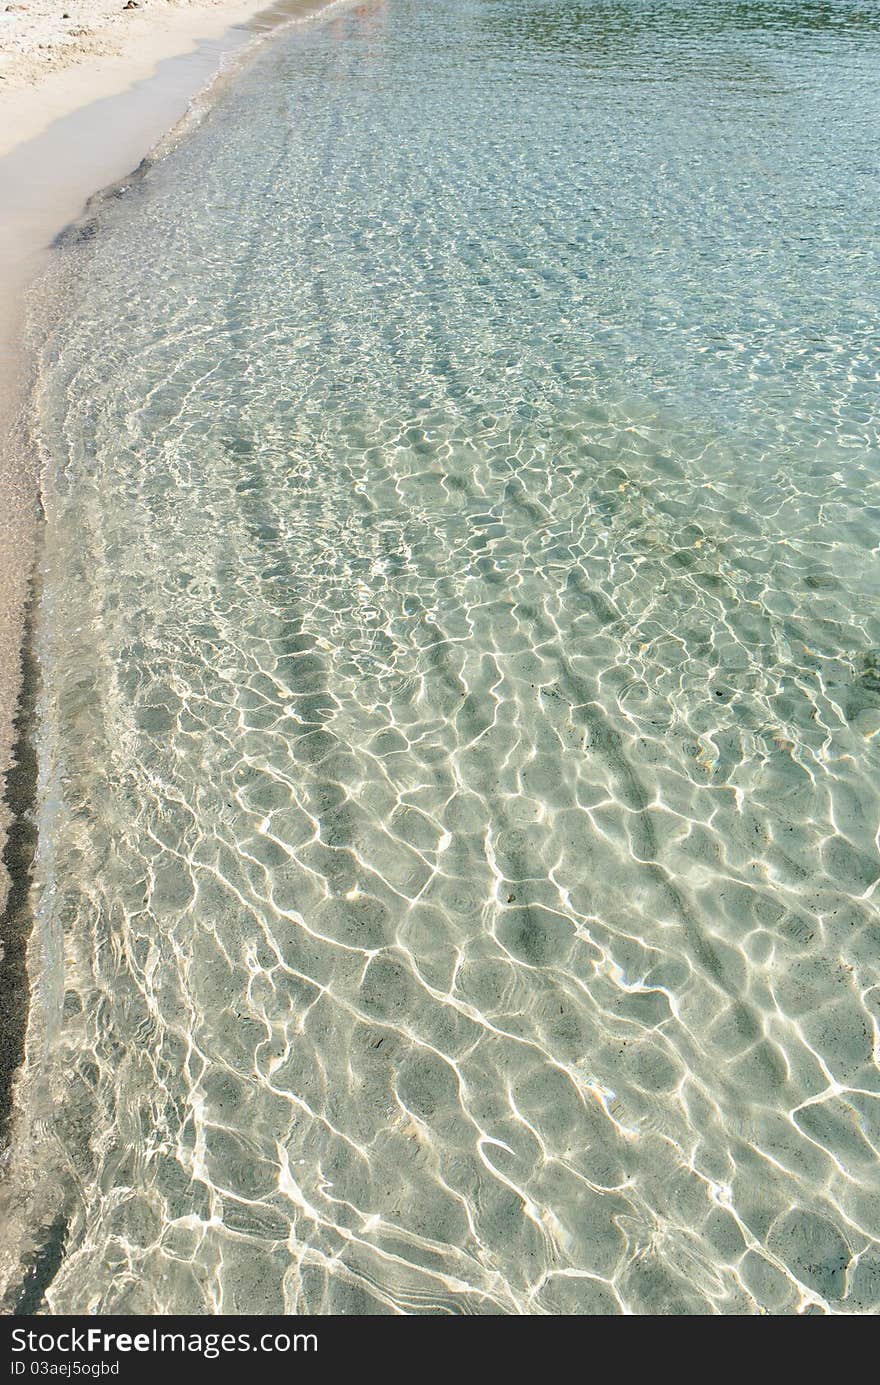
(461, 654)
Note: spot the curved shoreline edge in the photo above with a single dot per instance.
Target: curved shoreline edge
(122, 122)
(114, 115)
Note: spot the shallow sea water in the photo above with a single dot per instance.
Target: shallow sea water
(461, 678)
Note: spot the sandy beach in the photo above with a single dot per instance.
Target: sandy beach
(40, 37)
(56, 57)
(87, 89)
(445, 823)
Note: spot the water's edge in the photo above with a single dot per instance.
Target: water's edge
(38, 306)
(18, 859)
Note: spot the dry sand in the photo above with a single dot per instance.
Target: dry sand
(39, 36)
(42, 36)
(57, 55)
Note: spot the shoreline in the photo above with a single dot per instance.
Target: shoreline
(67, 133)
(47, 81)
(66, 139)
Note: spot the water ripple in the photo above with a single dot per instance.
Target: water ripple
(461, 651)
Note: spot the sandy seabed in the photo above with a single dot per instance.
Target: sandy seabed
(87, 89)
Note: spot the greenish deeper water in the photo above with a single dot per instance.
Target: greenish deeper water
(461, 654)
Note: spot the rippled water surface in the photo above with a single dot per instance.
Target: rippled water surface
(461, 656)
